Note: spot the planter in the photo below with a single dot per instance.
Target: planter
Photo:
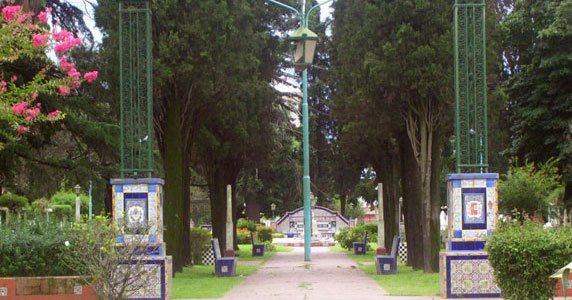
(45, 288)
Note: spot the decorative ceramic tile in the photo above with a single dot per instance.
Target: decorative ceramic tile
(471, 276)
(77, 290)
(474, 208)
(3, 292)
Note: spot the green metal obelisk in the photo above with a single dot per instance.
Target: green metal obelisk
(472, 199)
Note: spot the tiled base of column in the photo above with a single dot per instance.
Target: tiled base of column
(157, 283)
(466, 274)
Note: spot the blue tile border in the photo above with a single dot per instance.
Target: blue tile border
(149, 181)
(473, 176)
(457, 183)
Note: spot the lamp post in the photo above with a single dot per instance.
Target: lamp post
(272, 208)
(77, 189)
(306, 42)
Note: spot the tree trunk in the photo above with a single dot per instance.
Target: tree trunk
(436, 198)
(411, 204)
(175, 164)
(219, 176)
(425, 172)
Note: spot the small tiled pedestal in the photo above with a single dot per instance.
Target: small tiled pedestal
(473, 214)
(138, 203)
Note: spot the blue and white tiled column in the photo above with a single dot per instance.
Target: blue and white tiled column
(473, 214)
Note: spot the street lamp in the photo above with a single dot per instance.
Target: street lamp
(272, 208)
(77, 189)
(306, 45)
(306, 42)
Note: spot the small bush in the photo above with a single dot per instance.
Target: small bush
(246, 224)
(524, 256)
(269, 246)
(62, 212)
(14, 202)
(277, 235)
(243, 236)
(68, 198)
(264, 234)
(200, 239)
(34, 248)
(347, 236)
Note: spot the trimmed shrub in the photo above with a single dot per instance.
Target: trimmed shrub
(34, 248)
(14, 202)
(524, 256)
(264, 234)
(62, 212)
(347, 236)
(200, 239)
(68, 198)
(246, 224)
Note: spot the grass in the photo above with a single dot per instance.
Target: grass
(200, 282)
(407, 282)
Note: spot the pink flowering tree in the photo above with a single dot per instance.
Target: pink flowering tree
(24, 35)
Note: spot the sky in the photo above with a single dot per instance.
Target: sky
(90, 21)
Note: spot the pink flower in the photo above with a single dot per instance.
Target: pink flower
(22, 129)
(54, 115)
(32, 114)
(73, 73)
(9, 12)
(74, 84)
(34, 96)
(19, 108)
(13, 78)
(21, 18)
(40, 39)
(43, 15)
(65, 65)
(67, 45)
(90, 76)
(2, 86)
(63, 36)
(64, 91)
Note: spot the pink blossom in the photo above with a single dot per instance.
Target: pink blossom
(2, 86)
(73, 73)
(74, 84)
(9, 12)
(21, 18)
(65, 65)
(40, 39)
(63, 36)
(13, 78)
(54, 114)
(64, 91)
(90, 76)
(43, 15)
(22, 129)
(34, 96)
(32, 114)
(19, 108)
(67, 45)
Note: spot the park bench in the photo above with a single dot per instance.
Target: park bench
(224, 266)
(360, 248)
(387, 264)
(257, 249)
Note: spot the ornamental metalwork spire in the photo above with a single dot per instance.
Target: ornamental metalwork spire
(135, 59)
(471, 145)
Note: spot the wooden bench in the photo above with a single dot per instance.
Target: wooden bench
(360, 248)
(224, 266)
(257, 249)
(387, 264)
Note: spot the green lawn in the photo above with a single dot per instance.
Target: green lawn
(200, 282)
(407, 282)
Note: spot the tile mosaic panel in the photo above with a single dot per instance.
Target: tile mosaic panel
(474, 208)
(470, 276)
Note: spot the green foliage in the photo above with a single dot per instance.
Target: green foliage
(354, 211)
(264, 233)
(524, 256)
(269, 246)
(14, 202)
(243, 237)
(62, 212)
(34, 248)
(200, 239)
(246, 224)
(68, 198)
(347, 236)
(530, 189)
